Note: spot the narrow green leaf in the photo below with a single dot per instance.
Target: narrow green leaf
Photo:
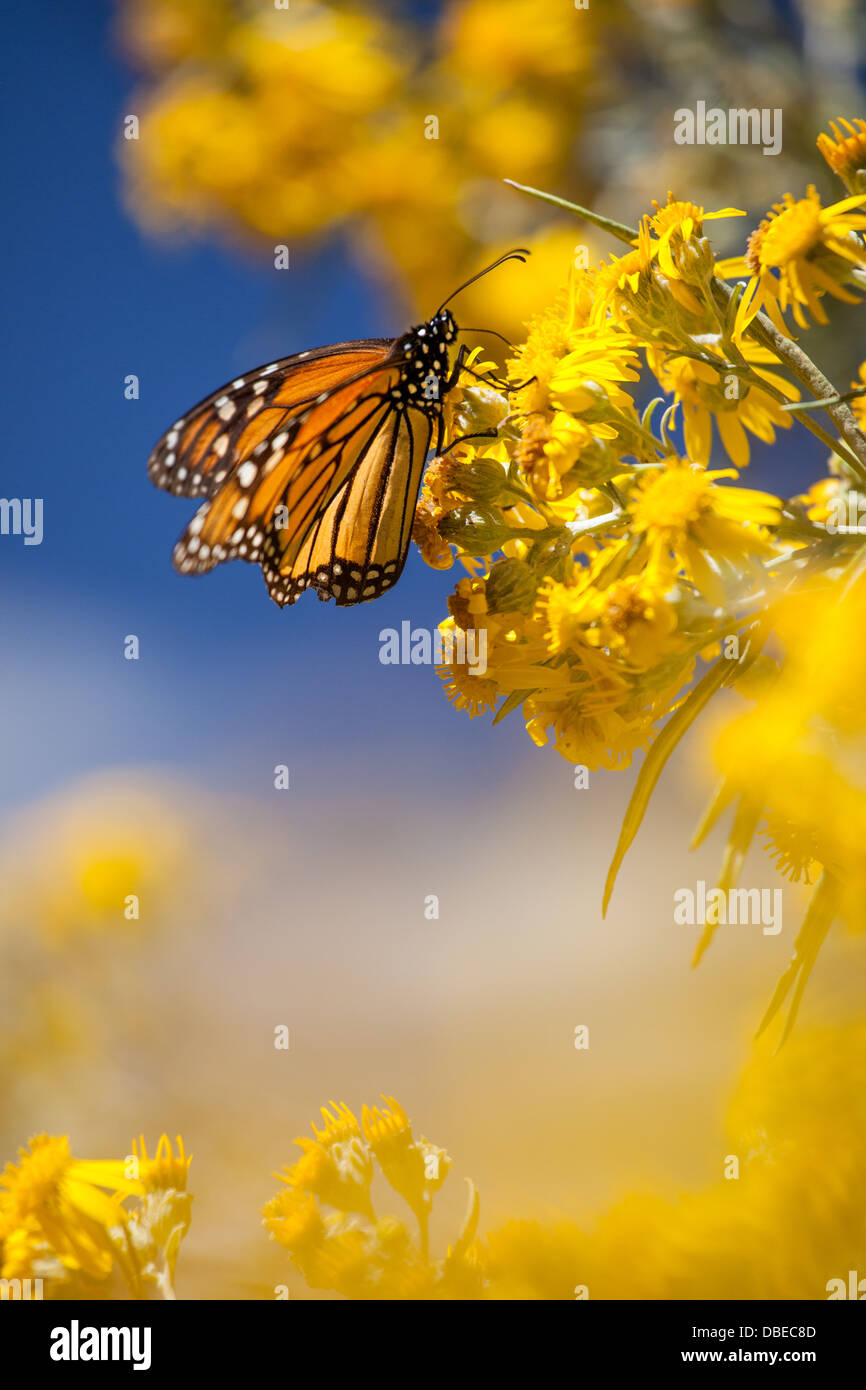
(810, 938)
(742, 834)
(717, 805)
(607, 224)
(512, 702)
(654, 762)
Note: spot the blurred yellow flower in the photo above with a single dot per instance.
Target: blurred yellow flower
(118, 847)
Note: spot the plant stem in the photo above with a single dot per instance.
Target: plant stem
(607, 224)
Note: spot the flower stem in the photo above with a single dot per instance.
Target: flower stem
(607, 224)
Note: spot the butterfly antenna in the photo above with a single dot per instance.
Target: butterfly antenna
(501, 336)
(518, 254)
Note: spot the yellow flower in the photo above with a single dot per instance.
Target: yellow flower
(360, 1255)
(683, 517)
(635, 619)
(845, 151)
(800, 252)
(55, 1201)
(705, 394)
(637, 291)
(293, 1218)
(588, 376)
(164, 1170)
(118, 849)
(587, 733)
(335, 1166)
(414, 1167)
(682, 251)
(824, 499)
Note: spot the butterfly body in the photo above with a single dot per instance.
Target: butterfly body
(311, 465)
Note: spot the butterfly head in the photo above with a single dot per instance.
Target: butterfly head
(424, 366)
(443, 324)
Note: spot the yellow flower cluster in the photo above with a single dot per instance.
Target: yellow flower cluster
(324, 1216)
(62, 1219)
(603, 558)
(780, 1222)
(283, 122)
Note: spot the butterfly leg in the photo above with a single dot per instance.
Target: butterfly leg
(462, 438)
(460, 366)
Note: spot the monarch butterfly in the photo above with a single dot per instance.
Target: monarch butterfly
(310, 466)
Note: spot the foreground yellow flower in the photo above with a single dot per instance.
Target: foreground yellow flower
(335, 1244)
(56, 1202)
(62, 1217)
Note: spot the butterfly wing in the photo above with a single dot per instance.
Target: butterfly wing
(358, 546)
(309, 467)
(196, 456)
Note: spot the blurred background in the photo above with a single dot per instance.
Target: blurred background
(155, 257)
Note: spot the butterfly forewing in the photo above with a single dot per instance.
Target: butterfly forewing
(272, 499)
(197, 454)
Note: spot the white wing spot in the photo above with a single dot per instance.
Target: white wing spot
(247, 474)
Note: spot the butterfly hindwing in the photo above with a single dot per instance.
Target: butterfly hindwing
(359, 544)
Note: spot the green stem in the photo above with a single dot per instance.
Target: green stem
(607, 224)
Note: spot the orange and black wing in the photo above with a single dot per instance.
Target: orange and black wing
(202, 448)
(308, 467)
(358, 546)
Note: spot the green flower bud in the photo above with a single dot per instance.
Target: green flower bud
(476, 530)
(511, 587)
(484, 480)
